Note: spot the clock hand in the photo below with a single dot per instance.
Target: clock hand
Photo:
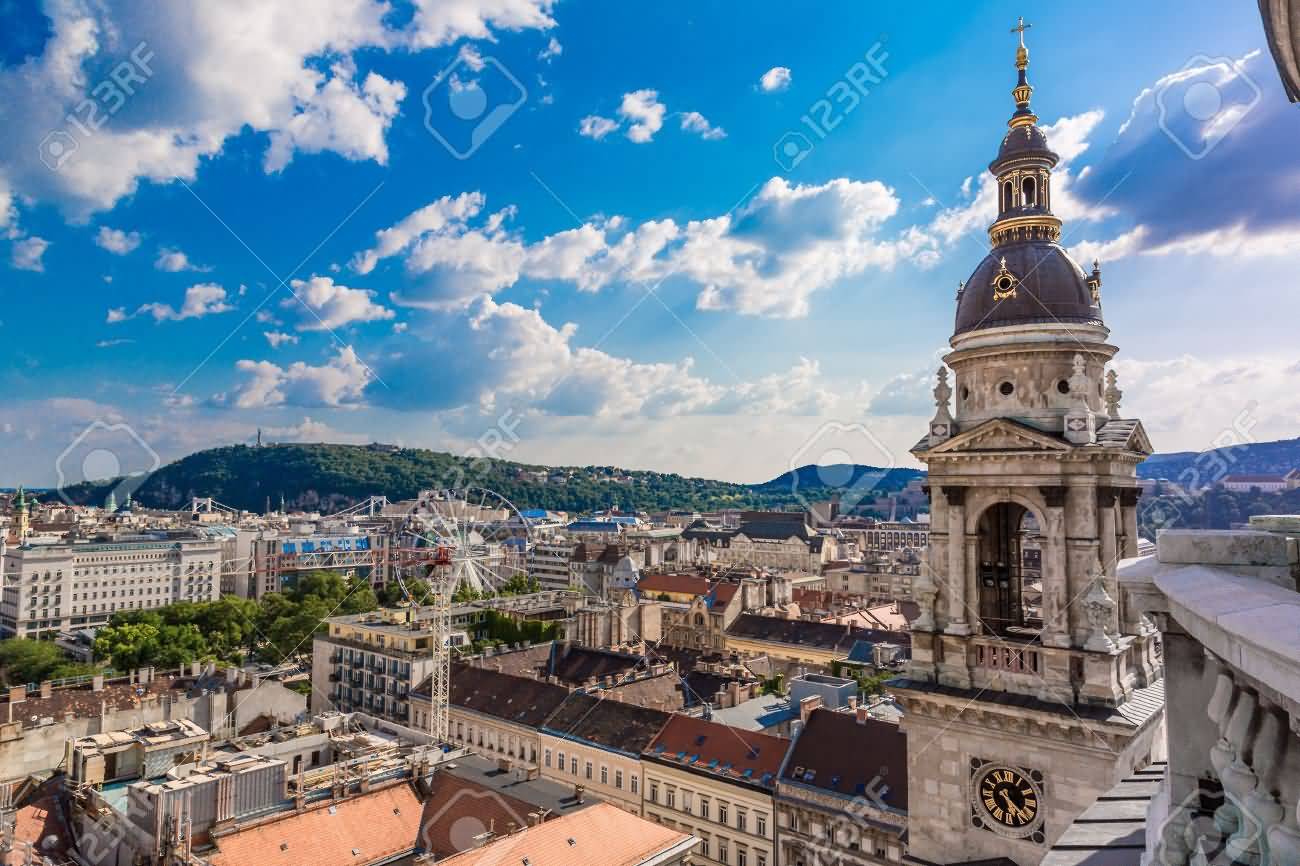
(1011, 807)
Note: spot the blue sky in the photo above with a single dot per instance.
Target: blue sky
(247, 222)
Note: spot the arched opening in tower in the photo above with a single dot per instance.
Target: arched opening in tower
(1010, 571)
(1027, 189)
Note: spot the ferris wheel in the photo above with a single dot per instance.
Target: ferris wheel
(478, 539)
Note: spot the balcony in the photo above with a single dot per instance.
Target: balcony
(1227, 609)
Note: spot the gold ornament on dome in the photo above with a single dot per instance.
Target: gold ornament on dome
(1004, 282)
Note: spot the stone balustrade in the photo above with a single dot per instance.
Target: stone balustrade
(1229, 615)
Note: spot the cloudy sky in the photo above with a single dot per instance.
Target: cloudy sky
(663, 236)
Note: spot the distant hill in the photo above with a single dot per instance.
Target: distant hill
(1201, 468)
(332, 477)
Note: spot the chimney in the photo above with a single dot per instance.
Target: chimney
(853, 703)
(18, 694)
(733, 689)
(862, 714)
(807, 705)
(579, 793)
(96, 683)
(47, 689)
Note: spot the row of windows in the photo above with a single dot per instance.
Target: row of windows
(689, 805)
(720, 848)
(589, 771)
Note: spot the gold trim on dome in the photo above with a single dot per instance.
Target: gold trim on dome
(1034, 227)
(1004, 282)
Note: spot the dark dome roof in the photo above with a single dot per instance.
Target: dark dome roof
(1052, 288)
(1026, 140)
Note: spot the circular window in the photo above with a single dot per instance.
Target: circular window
(1004, 283)
(1063, 387)
(1006, 389)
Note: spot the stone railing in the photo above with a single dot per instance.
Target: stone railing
(1229, 613)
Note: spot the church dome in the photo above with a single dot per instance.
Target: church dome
(1024, 283)
(1025, 140)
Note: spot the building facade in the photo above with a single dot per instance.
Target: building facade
(716, 783)
(53, 587)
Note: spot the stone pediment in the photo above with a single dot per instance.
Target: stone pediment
(1001, 434)
(1127, 434)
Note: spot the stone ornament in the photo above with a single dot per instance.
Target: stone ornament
(1113, 394)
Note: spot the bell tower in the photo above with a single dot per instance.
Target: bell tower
(1030, 692)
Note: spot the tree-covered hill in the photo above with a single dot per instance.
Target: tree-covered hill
(330, 477)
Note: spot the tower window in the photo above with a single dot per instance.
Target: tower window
(1006, 389)
(965, 393)
(1007, 189)
(1063, 386)
(1027, 189)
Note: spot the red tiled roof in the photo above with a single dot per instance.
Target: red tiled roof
(684, 583)
(457, 810)
(376, 826)
(698, 744)
(603, 834)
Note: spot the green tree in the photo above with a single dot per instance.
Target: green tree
(32, 661)
(129, 645)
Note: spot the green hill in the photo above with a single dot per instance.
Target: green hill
(331, 477)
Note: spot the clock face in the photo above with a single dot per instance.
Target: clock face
(1008, 797)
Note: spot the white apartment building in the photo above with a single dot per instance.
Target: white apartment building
(551, 563)
(53, 587)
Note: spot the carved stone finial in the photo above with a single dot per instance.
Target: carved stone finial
(942, 391)
(941, 428)
(1113, 394)
(1100, 609)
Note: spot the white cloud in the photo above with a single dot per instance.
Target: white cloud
(28, 253)
(787, 242)
(766, 259)
(329, 305)
(337, 383)
(174, 261)
(341, 116)
(645, 112)
(311, 430)
(117, 241)
(693, 121)
(1191, 403)
(441, 22)
(201, 299)
(279, 338)
(468, 54)
(597, 127)
(502, 356)
(209, 70)
(775, 79)
(552, 50)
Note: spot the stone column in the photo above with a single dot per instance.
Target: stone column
(1106, 529)
(1056, 626)
(956, 578)
(1128, 500)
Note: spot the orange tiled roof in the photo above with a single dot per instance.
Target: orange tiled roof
(377, 826)
(602, 834)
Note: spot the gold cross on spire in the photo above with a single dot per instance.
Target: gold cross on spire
(1020, 28)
